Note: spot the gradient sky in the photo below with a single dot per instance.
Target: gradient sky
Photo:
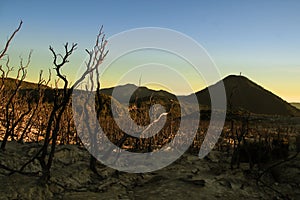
(261, 39)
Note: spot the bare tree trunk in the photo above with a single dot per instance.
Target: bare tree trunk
(61, 101)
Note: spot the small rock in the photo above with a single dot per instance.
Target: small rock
(214, 156)
(191, 158)
(225, 183)
(195, 171)
(56, 189)
(198, 182)
(156, 179)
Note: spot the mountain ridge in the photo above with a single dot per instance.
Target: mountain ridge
(241, 94)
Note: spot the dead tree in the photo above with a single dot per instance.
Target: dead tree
(62, 99)
(5, 72)
(240, 141)
(38, 104)
(12, 119)
(60, 102)
(96, 56)
(14, 112)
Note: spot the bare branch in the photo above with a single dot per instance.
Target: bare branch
(96, 56)
(65, 60)
(8, 68)
(9, 40)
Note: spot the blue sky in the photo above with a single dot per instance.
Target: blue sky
(261, 39)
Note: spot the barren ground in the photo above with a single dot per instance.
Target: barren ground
(187, 178)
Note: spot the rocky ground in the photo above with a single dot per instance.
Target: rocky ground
(187, 178)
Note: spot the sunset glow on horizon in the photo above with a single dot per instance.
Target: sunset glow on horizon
(259, 39)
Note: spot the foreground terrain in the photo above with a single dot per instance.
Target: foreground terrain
(187, 178)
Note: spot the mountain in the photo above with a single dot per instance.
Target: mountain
(10, 83)
(132, 92)
(242, 93)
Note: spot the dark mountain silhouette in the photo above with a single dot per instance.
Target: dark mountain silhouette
(11, 83)
(244, 94)
(133, 92)
(26, 88)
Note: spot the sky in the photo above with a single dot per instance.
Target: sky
(261, 39)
